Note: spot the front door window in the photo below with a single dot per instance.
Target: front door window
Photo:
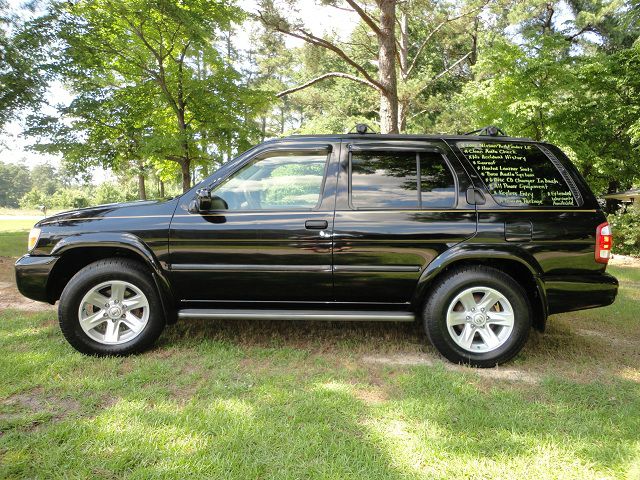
(280, 181)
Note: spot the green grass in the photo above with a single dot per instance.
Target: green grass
(13, 237)
(28, 211)
(16, 225)
(282, 400)
(13, 244)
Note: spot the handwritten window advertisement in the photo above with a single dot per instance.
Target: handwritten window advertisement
(518, 174)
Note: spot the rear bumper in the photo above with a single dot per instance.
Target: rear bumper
(32, 275)
(569, 293)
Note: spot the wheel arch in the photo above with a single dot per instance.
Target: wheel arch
(78, 251)
(518, 264)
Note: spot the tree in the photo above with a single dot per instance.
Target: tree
(554, 82)
(193, 107)
(15, 182)
(399, 48)
(103, 127)
(45, 178)
(22, 63)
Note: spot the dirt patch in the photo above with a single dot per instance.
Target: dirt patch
(36, 402)
(605, 337)
(10, 297)
(415, 359)
(371, 395)
(624, 261)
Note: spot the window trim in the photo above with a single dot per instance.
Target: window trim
(562, 171)
(325, 150)
(358, 148)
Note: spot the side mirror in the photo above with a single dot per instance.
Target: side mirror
(205, 202)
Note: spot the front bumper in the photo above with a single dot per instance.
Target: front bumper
(569, 293)
(32, 276)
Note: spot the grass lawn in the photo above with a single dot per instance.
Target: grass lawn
(328, 401)
(14, 232)
(13, 243)
(13, 236)
(15, 225)
(17, 212)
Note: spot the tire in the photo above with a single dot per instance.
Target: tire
(111, 307)
(462, 332)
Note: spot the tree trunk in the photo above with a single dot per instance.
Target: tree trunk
(161, 189)
(403, 110)
(185, 166)
(473, 59)
(612, 205)
(387, 67)
(403, 46)
(142, 192)
(185, 159)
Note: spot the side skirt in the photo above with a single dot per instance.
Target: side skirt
(328, 315)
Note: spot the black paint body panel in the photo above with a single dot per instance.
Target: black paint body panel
(372, 258)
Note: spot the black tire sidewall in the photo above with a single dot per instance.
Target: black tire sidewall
(95, 274)
(435, 314)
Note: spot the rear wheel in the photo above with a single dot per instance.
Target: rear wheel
(111, 307)
(478, 315)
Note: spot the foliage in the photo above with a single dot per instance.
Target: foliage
(626, 231)
(80, 196)
(150, 86)
(69, 197)
(35, 198)
(15, 181)
(555, 83)
(164, 89)
(22, 63)
(108, 192)
(399, 55)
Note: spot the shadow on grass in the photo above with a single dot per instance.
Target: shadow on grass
(219, 401)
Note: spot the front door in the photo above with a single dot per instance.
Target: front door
(400, 205)
(272, 243)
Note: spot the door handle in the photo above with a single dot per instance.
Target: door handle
(475, 196)
(316, 224)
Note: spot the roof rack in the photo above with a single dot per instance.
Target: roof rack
(490, 131)
(362, 129)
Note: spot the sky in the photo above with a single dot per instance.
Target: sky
(14, 147)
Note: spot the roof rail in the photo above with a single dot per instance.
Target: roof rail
(362, 129)
(490, 131)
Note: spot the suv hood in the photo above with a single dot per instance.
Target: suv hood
(138, 207)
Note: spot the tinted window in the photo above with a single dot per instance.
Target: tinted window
(390, 180)
(518, 174)
(283, 181)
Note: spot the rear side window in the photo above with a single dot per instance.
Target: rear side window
(401, 180)
(518, 174)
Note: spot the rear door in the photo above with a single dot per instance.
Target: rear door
(400, 204)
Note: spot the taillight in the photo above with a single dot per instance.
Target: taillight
(603, 243)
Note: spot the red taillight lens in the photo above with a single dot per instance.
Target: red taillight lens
(604, 240)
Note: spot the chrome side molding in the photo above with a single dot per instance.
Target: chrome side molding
(328, 315)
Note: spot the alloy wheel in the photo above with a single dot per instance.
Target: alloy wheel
(114, 312)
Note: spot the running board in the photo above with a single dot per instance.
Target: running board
(329, 315)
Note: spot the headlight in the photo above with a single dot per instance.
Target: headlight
(34, 236)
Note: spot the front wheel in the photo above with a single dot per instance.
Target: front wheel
(479, 316)
(111, 307)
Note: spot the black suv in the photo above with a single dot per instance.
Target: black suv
(480, 237)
